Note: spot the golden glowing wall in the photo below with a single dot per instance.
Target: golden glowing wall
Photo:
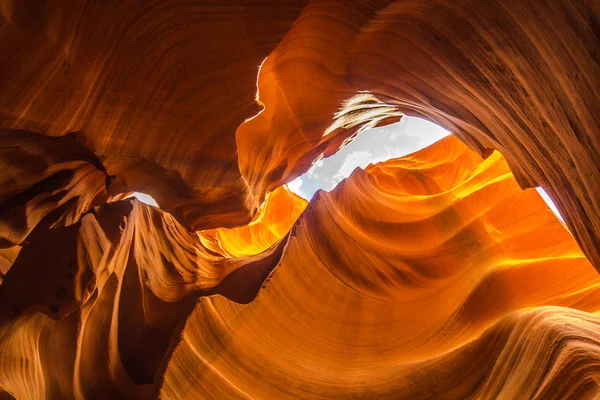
(431, 276)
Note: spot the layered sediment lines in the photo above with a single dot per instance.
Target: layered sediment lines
(167, 96)
(155, 90)
(106, 299)
(274, 219)
(430, 276)
(422, 277)
(520, 78)
(419, 277)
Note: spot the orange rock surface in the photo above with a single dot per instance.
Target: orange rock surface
(435, 275)
(410, 280)
(274, 219)
(455, 264)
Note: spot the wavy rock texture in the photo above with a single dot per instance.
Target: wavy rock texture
(139, 82)
(519, 77)
(409, 280)
(275, 218)
(430, 276)
(106, 298)
(46, 183)
(448, 284)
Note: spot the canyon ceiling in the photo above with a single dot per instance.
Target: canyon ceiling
(438, 275)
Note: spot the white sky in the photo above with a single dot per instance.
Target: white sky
(369, 147)
(550, 203)
(372, 146)
(145, 198)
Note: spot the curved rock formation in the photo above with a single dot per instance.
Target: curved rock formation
(430, 276)
(496, 75)
(406, 282)
(519, 78)
(274, 219)
(451, 251)
(107, 297)
(46, 183)
(138, 81)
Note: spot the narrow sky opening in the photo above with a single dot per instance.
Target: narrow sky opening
(371, 146)
(550, 203)
(145, 198)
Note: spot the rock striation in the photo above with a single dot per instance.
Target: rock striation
(435, 267)
(275, 218)
(436, 275)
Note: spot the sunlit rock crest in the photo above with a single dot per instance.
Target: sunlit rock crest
(431, 276)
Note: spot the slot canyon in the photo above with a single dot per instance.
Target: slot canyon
(440, 274)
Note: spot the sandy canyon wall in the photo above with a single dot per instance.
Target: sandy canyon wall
(435, 275)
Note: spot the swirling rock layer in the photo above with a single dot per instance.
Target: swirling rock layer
(275, 218)
(409, 280)
(107, 297)
(409, 277)
(164, 94)
(430, 276)
(139, 80)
